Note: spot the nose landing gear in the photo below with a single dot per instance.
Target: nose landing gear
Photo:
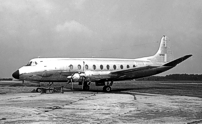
(86, 86)
(50, 89)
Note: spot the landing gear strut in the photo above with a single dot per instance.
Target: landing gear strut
(107, 87)
(86, 86)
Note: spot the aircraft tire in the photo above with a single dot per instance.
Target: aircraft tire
(86, 88)
(43, 91)
(104, 88)
(51, 91)
(37, 90)
(107, 89)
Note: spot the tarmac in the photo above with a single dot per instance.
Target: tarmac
(87, 107)
(98, 107)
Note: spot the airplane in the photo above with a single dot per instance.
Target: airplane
(102, 71)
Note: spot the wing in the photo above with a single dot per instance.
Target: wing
(125, 71)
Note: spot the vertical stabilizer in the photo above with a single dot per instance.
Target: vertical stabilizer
(161, 55)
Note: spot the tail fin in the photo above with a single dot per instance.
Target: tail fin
(161, 54)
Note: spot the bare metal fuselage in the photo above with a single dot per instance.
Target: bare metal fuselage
(95, 69)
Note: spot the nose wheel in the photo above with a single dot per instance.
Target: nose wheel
(86, 86)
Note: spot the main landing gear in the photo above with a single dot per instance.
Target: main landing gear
(107, 87)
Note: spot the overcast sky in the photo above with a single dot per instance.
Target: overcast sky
(99, 28)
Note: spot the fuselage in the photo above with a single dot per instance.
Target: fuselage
(95, 69)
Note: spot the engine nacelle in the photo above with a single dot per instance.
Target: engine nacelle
(87, 76)
(77, 77)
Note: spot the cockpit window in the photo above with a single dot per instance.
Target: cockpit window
(29, 64)
(32, 63)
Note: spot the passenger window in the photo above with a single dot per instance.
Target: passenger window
(94, 67)
(79, 67)
(101, 67)
(114, 66)
(128, 66)
(86, 67)
(108, 67)
(121, 66)
(71, 66)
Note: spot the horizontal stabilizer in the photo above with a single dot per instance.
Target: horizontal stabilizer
(177, 61)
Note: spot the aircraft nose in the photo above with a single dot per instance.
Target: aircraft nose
(16, 74)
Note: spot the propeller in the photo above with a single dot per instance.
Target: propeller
(76, 77)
